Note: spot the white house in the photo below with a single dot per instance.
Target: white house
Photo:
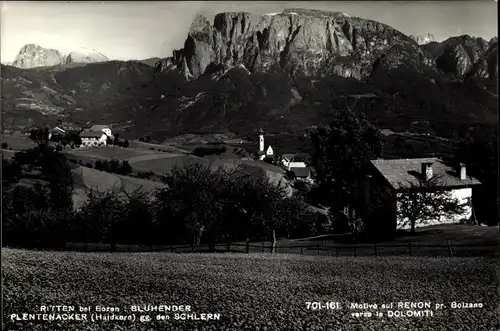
(103, 128)
(394, 176)
(93, 138)
(288, 162)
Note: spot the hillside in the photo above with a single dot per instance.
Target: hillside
(286, 73)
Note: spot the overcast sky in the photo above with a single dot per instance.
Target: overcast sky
(139, 30)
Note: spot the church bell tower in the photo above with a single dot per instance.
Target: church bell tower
(261, 140)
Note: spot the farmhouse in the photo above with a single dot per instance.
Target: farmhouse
(93, 138)
(102, 128)
(288, 161)
(303, 174)
(386, 181)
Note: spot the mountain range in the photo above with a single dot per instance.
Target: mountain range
(423, 39)
(34, 56)
(286, 72)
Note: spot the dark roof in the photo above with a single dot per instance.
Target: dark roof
(300, 172)
(91, 134)
(402, 173)
(99, 127)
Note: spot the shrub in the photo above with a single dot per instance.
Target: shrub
(4, 145)
(125, 144)
(125, 168)
(203, 151)
(42, 228)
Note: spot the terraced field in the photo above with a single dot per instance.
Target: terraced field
(87, 178)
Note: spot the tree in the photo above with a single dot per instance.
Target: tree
(11, 170)
(114, 166)
(213, 205)
(137, 224)
(125, 168)
(56, 170)
(480, 154)
(341, 152)
(40, 136)
(125, 144)
(116, 139)
(100, 215)
(424, 200)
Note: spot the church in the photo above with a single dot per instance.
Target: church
(263, 153)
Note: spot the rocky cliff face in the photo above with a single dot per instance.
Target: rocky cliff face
(32, 56)
(85, 55)
(466, 56)
(308, 42)
(423, 39)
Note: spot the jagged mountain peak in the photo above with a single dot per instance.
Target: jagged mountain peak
(424, 38)
(299, 41)
(33, 56)
(85, 55)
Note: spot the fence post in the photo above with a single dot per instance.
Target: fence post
(171, 248)
(192, 247)
(248, 247)
(409, 247)
(318, 248)
(85, 246)
(449, 249)
(228, 246)
(375, 249)
(337, 250)
(262, 247)
(355, 254)
(301, 249)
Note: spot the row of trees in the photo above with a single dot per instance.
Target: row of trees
(199, 205)
(114, 166)
(203, 151)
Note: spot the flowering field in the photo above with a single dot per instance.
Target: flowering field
(251, 292)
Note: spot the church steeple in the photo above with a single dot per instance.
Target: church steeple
(261, 140)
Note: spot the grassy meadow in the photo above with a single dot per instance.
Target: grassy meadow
(251, 292)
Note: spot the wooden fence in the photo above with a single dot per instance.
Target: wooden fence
(321, 248)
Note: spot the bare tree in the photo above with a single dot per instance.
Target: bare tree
(426, 199)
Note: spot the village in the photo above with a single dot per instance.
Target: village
(393, 177)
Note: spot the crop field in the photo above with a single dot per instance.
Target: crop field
(157, 147)
(250, 292)
(18, 141)
(109, 152)
(165, 165)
